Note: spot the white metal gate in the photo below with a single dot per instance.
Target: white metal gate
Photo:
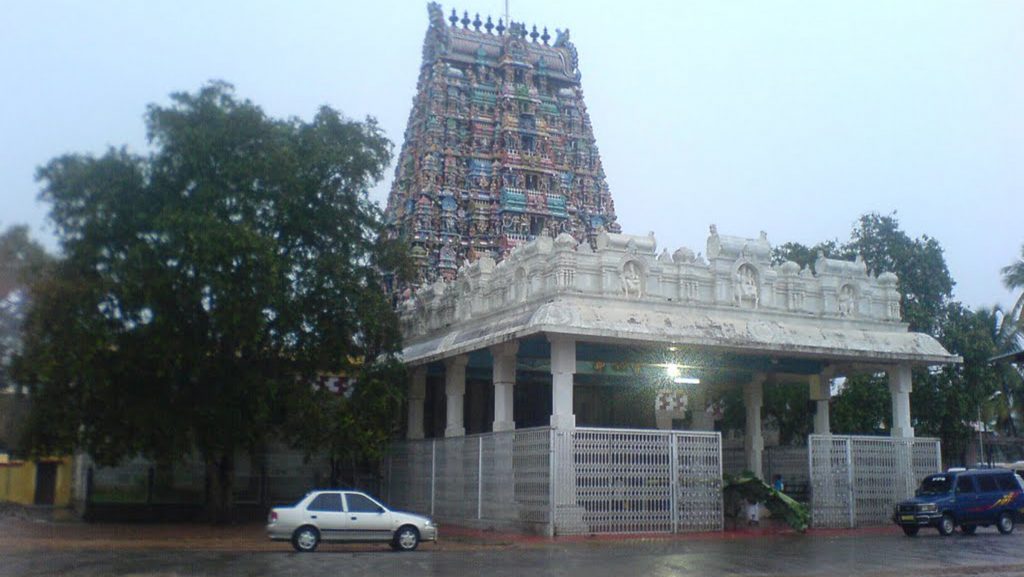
(856, 480)
(637, 481)
(577, 481)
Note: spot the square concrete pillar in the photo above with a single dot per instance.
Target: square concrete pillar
(753, 442)
(417, 394)
(700, 418)
(563, 369)
(900, 387)
(504, 378)
(820, 391)
(455, 393)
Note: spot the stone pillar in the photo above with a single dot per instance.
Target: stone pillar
(700, 419)
(455, 392)
(820, 389)
(417, 394)
(504, 378)
(563, 369)
(900, 387)
(753, 445)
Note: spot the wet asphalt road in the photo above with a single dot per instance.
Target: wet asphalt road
(987, 553)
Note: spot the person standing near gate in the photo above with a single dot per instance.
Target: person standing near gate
(778, 484)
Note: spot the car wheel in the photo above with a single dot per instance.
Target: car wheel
(968, 529)
(946, 525)
(305, 539)
(910, 530)
(407, 538)
(1005, 523)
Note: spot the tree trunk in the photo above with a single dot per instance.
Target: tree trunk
(335, 472)
(220, 480)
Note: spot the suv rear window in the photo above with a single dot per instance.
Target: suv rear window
(1007, 483)
(987, 483)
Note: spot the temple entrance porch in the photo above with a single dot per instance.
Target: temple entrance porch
(588, 377)
(640, 450)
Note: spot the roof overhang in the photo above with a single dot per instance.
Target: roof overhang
(1014, 357)
(718, 328)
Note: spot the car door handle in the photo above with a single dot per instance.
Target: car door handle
(355, 518)
(312, 516)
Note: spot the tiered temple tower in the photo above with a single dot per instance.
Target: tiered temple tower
(498, 149)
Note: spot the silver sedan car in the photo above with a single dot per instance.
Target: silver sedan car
(337, 515)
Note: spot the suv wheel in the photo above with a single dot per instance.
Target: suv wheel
(305, 539)
(910, 530)
(946, 525)
(1005, 523)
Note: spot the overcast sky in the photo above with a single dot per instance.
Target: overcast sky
(792, 117)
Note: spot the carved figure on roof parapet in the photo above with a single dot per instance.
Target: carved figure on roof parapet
(632, 279)
(745, 286)
(847, 301)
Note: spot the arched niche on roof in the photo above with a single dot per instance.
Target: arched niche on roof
(746, 285)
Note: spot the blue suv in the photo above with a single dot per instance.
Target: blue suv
(964, 498)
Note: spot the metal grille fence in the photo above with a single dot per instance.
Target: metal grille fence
(855, 481)
(791, 463)
(630, 481)
(579, 481)
(699, 504)
(503, 477)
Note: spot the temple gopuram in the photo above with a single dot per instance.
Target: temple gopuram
(498, 149)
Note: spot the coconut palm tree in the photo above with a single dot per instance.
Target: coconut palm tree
(1013, 275)
(1008, 335)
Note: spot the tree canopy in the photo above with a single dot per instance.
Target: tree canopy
(205, 284)
(21, 260)
(944, 403)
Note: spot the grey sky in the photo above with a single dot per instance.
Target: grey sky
(792, 117)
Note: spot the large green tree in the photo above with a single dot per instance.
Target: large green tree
(206, 284)
(926, 286)
(949, 401)
(21, 260)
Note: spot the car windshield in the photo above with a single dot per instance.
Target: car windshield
(935, 485)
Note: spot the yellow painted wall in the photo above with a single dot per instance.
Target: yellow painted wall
(18, 482)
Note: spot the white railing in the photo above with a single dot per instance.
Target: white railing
(856, 480)
(604, 480)
(637, 481)
(492, 477)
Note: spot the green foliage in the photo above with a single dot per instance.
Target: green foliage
(1013, 274)
(22, 259)
(786, 408)
(947, 401)
(863, 405)
(747, 487)
(924, 280)
(206, 283)
(353, 429)
(804, 255)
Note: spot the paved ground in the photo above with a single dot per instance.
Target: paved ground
(33, 547)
